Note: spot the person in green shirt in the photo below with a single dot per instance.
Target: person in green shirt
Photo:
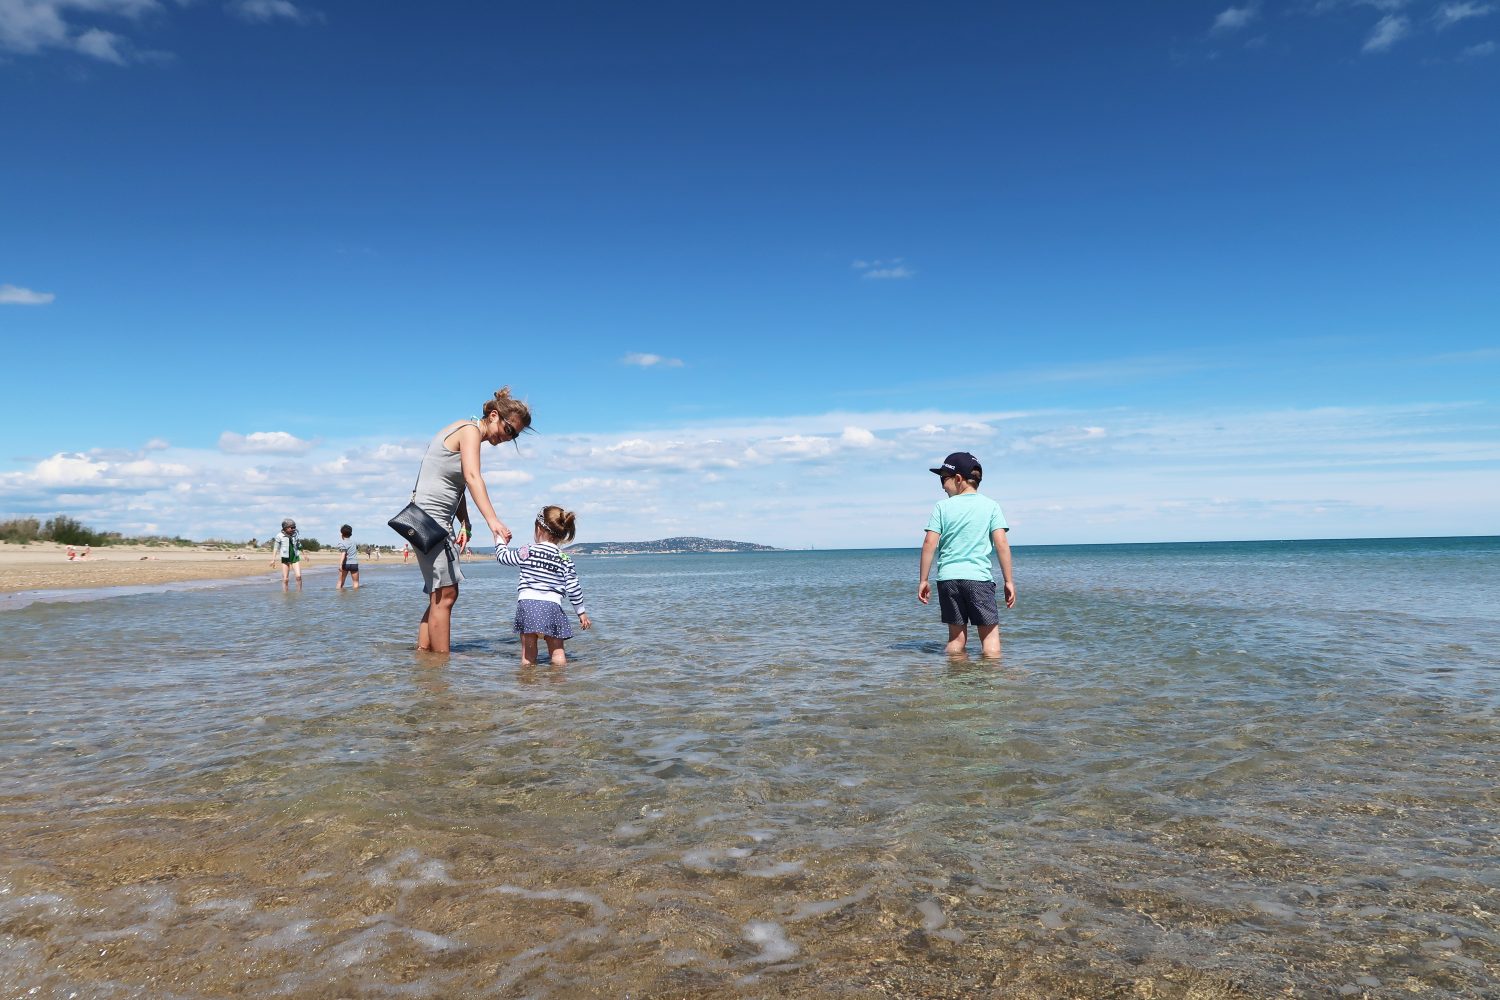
(960, 534)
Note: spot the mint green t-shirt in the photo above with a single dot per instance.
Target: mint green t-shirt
(964, 523)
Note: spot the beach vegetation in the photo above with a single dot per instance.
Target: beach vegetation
(310, 545)
(67, 530)
(20, 530)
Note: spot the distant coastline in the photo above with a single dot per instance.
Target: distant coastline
(666, 546)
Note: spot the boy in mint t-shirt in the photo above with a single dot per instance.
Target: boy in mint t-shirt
(960, 533)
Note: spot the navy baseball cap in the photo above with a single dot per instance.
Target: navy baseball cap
(960, 463)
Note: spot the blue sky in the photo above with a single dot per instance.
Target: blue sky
(1172, 271)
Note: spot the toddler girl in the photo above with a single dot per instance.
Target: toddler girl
(546, 575)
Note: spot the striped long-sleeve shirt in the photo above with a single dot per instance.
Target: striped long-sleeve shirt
(546, 574)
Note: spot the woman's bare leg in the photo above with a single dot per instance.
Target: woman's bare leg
(437, 622)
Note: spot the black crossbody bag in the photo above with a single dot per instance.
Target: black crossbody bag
(416, 525)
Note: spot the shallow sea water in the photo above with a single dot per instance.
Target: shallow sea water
(1231, 770)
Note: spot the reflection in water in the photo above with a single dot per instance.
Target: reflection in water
(1184, 779)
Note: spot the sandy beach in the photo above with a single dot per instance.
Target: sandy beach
(45, 565)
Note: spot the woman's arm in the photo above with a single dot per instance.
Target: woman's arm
(468, 452)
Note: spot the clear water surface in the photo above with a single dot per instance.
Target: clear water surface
(1209, 770)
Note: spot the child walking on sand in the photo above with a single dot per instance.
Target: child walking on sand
(960, 533)
(546, 575)
(349, 564)
(289, 551)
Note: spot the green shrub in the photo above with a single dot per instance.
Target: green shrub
(22, 529)
(311, 545)
(69, 531)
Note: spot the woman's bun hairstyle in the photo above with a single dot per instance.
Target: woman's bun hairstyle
(509, 408)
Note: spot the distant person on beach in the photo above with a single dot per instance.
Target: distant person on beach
(960, 533)
(546, 577)
(289, 551)
(451, 464)
(349, 564)
(405, 553)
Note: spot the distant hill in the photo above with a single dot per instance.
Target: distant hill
(663, 546)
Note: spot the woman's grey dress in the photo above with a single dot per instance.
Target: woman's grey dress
(440, 485)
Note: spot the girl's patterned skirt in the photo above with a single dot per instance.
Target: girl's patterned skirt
(542, 618)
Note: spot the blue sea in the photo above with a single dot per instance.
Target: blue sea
(1211, 770)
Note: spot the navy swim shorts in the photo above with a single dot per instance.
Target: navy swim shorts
(968, 602)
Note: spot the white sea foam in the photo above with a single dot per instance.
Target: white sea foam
(933, 916)
(779, 870)
(818, 908)
(772, 941)
(703, 859)
(239, 907)
(407, 870)
(290, 936)
(602, 911)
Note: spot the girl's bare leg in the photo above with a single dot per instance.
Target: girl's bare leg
(555, 652)
(958, 640)
(437, 621)
(989, 641)
(528, 649)
(297, 569)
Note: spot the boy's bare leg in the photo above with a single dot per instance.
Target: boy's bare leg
(354, 575)
(342, 573)
(555, 652)
(297, 568)
(286, 576)
(528, 649)
(989, 641)
(958, 640)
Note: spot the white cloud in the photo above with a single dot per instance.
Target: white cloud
(1062, 476)
(263, 11)
(101, 44)
(883, 270)
(13, 295)
(796, 446)
(592, 485)
(650, 361)
(1478, 51)
(263, 443)
(69, 470)
(508, 477)
(1235, 18)
(1387, 32)
(29, 27)
(1450, 14)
